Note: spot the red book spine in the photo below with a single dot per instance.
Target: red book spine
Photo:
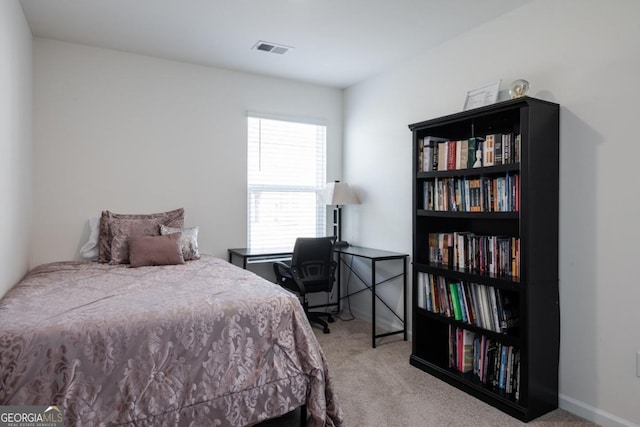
(451, 155)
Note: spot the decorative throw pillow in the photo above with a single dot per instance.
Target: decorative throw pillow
(188, 241)
(122, 229)
(112, 224)
(155, 250)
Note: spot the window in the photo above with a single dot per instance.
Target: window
(286, 170)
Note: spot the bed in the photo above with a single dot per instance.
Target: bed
(201, 343)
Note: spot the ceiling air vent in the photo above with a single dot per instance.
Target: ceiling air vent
(271, 47)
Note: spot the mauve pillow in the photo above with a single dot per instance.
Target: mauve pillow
(155, 250)
(121, 223)
(122, 229)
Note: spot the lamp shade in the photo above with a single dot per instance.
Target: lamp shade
(339, 193)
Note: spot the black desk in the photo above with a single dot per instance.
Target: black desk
(375, 256)
(249, 256)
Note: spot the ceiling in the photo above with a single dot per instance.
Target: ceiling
(336, 42)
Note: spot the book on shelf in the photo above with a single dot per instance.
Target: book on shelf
(497, 150)
(510, 312)
(463, 291)
(436, 304)
(453, 349)
(464, 154)
(455, 299)
(428, 153)
(484, 307)
(495, 255)
(446, 298)
(507, 148)
(440, 154)
(443, 155)
(492, 362)
(477, 355)
(468, 338)
(493, 310)
(463, 194)
(451, 155)
(488, 154)
(472, 303)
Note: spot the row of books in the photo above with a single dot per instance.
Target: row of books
(440, 154)
(491, 362)
(482, 194)
(476, 304)
(498, 255)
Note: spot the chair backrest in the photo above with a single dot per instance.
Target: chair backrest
(313, 260)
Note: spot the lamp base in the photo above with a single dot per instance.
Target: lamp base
(341, 244)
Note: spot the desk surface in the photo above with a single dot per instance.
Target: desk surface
(255, 252)
(377, 254)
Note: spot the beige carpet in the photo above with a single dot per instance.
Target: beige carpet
(378, 387)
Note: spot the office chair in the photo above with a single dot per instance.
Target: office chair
(312, 269)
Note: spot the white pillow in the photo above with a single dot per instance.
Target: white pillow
(90, 249)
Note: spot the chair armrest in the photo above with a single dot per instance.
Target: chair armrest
(286, 276)
(281, 268)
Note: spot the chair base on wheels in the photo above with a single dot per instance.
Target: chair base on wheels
(317, 318)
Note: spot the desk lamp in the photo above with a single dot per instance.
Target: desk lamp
(337, 194)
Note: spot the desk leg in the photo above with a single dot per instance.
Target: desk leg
(338, 300)
(373, 303)
(339, 280)
(244, 260)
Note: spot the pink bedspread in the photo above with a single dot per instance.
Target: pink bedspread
(205, 343)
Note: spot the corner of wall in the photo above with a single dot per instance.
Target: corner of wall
(16, 143)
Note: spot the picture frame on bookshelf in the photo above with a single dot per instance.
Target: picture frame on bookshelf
(485, 95)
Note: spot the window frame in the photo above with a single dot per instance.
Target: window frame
(252, 189)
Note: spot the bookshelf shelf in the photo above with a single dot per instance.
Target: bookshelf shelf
(489, 170)
(485, 312)
(510, 337)
(506, 282)
(475, 388)
(477, 215)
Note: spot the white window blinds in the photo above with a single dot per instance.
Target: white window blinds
(286, 170)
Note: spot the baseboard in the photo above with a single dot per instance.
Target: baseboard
(592, 414)
(362, 315)
(383, 324)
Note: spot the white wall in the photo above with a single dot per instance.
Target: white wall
(131, 133)
(16, 101)
(584, 55)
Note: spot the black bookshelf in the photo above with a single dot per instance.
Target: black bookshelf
(534, 224)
